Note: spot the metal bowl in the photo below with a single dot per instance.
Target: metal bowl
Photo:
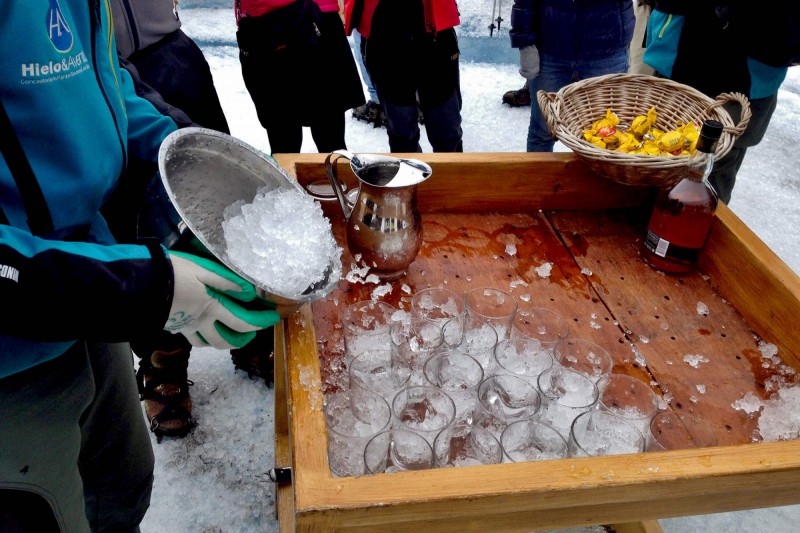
(205, 171)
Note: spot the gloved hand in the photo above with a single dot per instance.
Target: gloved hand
(206, 304)
(529, 62)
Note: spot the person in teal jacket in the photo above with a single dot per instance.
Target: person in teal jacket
(75, 453)
(723, 47)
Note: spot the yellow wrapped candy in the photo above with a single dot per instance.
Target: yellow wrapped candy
(642, 137)
(643, 123)
(690, 135)
(671, 142)
(610, 121)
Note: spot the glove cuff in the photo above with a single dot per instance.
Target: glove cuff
(163, 284)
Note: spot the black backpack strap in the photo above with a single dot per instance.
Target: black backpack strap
(39, 220)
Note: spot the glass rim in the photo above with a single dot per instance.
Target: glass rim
(640, 437)
(596, 392)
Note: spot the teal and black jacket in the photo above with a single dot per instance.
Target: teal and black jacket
(718, 46)
(73, 120)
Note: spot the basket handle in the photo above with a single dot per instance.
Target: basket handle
(547, 105)
(744, 117)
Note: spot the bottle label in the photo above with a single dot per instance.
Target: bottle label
(664, 248)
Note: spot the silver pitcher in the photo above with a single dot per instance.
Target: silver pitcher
(384, 225)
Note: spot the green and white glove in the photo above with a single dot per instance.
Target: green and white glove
(206, 304)
(529, 62)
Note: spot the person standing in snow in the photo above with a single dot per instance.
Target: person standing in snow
(411, 53)
(753, 48)
(76, 453)
(299, 70)
(563, 41)
(169, 70)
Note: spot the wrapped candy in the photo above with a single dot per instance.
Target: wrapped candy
(642, 137)
(643, 123)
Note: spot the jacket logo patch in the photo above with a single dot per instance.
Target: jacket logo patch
(58, 29)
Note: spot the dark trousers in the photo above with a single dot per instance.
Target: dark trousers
(300, 84)
(74, 445)
(723, 176)
(411, 67)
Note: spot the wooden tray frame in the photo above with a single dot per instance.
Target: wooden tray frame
(629, 491)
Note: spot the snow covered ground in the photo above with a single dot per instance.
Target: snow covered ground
(214, 480)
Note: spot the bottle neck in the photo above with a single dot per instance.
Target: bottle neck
(701, 161)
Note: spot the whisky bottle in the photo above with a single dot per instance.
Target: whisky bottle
(682, 215)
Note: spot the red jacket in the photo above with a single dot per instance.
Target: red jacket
(255, 8)
(439, 15)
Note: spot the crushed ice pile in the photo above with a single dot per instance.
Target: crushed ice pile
(281, 240)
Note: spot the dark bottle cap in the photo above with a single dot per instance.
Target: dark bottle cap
(710, 133)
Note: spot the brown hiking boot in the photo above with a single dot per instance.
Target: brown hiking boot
(164, 388)
(519, 98)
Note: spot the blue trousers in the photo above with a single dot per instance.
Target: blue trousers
(555, 73)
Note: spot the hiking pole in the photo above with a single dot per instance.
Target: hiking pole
(491, 25)
(499, 18)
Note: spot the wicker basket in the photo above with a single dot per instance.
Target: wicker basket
(577, 106)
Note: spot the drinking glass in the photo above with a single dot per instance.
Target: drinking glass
(413, 341)
(491, 306)
(630, 398)
(463, 444)
(365, 326)
(437, 304)
(542, 326)
(397, 450)
(379, 372)
(673, 431)
(532, 440)
(458, 375)
(585, 357)
(503, 399)
(565, 395)
(596, 433)
(424, 410)
(521, 357)
(353, 417)
(477, 339)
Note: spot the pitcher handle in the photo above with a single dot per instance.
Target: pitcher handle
(330, 170)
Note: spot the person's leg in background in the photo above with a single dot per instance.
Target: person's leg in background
(372, 111)
(553, 75)
(274, 109)
(440, 91)
(723, 175)
(362, 68)
(388, 63)
(327, 130)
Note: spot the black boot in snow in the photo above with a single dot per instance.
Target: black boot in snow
(518, 98)
(371, 113)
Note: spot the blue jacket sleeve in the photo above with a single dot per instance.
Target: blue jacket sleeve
(59, 290)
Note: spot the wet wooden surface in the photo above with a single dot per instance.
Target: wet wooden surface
(673, 332)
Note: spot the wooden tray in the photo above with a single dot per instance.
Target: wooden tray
(557, 212)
